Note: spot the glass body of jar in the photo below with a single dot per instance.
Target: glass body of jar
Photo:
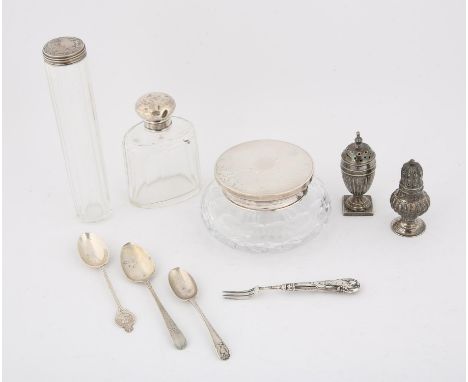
(162, 166)
(73, 102)
(264, 230)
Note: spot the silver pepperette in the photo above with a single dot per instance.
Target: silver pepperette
(410, 201)
(358, 169)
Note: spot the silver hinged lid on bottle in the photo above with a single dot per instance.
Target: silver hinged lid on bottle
(264, 174)
(156, 110)
(63, 51)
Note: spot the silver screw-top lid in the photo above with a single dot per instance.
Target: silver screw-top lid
(156, 110)
(264, 174)
(63, 51)
(358, 152)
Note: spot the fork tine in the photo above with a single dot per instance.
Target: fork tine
(237, 297)
(239, 291)
(237, 294)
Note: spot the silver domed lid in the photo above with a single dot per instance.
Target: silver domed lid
(358, 152)
(264, 174)
(156, 110)
(63, 51)
(411, 176)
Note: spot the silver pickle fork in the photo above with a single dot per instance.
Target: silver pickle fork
(344, 285)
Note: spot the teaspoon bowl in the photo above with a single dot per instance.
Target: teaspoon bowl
(92, 249)
(136, 263)
(182, 284)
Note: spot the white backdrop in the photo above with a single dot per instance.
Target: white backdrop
(308, 72)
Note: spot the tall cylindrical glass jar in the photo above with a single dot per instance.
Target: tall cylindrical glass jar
(73, 102)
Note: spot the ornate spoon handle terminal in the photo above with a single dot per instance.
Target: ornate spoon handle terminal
(124, 318)
(177, 336)
(220, 346)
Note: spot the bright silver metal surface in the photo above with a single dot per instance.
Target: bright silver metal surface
(93, 251)
(139, 267)
(264, 174)
(156, 110)
(345, 285)
(63, 51)
(185, 288)
(410, 201)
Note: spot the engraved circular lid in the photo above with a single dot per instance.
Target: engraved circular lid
(63, 51)
(264, 174)
(358, 152)
(156, 110)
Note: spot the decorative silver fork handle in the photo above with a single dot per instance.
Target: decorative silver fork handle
(345, 285)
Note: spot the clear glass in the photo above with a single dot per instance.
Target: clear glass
(265, 231)
(73, 102)
(162, 166)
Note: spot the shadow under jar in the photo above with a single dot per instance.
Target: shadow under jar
(265, 197)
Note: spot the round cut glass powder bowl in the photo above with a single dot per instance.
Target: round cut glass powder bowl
(265, 197)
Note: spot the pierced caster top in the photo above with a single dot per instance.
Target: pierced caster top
(358, 152)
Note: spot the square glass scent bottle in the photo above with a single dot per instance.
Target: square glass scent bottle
(161, 154)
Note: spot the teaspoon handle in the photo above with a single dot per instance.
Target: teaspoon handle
(177, 337)
(220, 346)
(124, 318)
(111, 288)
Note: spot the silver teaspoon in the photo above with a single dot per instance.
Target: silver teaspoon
(139, 267)
(93, 251)
(185, 288)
